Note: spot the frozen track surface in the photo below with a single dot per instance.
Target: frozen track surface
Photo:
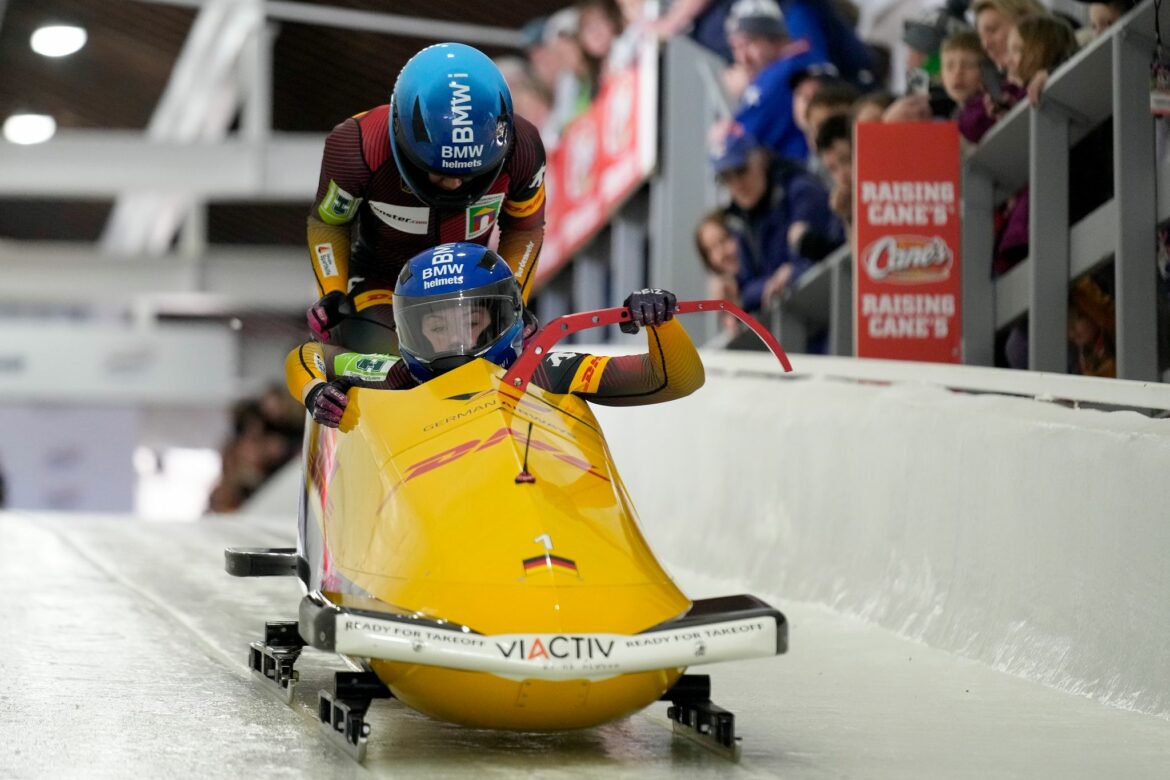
(125, 647)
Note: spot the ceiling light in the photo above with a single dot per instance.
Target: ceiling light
(58, 40)
(29, 128)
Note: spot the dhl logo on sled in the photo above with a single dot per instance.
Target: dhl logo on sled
(471, 543)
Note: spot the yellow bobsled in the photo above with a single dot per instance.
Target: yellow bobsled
(471, 544)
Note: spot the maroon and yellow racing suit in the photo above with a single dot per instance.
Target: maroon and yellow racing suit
(365, 222)
(670, 369)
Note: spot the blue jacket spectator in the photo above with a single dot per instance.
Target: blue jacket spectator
(830, 36)
(760, 43)
(774, 203)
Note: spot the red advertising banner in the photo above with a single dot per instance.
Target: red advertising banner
(603, 156)
(908, 288)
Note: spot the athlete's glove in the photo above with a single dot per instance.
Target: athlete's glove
(329, 310)
(327, 402)
(648, 307)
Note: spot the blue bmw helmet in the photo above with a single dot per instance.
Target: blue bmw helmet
(451, 115)
(453, 304)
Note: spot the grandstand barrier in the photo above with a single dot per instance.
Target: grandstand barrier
(1106, 81)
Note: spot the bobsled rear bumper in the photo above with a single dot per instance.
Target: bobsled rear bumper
(722, 629)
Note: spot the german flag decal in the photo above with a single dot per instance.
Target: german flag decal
(550, 561)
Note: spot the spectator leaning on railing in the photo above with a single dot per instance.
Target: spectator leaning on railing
(962, 61)
(774, 204)
(835, 148)
(994, 19)
(719, 252)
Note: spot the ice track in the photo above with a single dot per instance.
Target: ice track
(125, 646)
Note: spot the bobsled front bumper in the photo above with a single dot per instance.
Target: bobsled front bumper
(730, 628)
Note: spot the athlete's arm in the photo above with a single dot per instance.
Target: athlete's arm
(320, 375)
(522, 217)
(304, 368)
(340, 190)
(329, 253)
(520, 250)
(670, 369)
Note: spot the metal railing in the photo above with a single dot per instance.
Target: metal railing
(1107, 81)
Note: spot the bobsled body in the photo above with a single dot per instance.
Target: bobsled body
(474, 544)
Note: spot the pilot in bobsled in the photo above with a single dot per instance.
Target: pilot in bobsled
(465, 542)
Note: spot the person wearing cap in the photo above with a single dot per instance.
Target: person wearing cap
(829, 34)
(759, 40)
(774, 204)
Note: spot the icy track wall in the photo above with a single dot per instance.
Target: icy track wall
(1027, 535)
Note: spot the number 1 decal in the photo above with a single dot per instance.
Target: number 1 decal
(546, 540)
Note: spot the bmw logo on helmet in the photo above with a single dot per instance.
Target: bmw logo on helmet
(451, 116)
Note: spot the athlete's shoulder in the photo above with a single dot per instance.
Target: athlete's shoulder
(374, 126)
(526, 162)
(527, 134)
(556, 371)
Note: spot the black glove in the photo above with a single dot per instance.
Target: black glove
(327, 402)
(648, 307)
(329, 310)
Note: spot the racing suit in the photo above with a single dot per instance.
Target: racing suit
(365, 223)
(670, 369)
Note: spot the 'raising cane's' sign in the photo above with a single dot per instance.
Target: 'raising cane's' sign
(908, 259)
(906, 247)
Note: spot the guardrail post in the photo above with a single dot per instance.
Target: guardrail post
(684, 187)
(590, 271)
(841, 306)
(1135, 190)
(978, 244)
(628, 249)
(1048, 240)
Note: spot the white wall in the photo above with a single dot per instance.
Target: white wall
(75, 458)
(1027, 535)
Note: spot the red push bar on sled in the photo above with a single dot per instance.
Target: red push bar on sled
(521, 372)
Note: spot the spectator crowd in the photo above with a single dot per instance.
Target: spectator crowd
(790, 203)
(798, 78)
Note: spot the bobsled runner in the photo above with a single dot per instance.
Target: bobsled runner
(469, 547)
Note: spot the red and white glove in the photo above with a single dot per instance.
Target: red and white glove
(329, 310)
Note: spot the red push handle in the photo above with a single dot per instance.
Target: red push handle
(521, 372)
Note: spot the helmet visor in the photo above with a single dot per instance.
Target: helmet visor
(462, 324)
